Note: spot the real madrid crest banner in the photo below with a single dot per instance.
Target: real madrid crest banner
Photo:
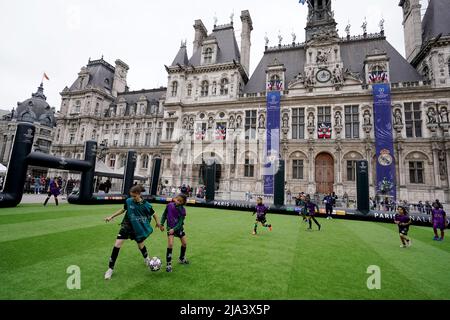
(386, 177)
(273, 140)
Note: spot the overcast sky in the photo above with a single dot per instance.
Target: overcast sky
(59, 36)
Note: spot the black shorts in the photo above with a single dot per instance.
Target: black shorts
(126, 232)
(261, 219)
(178, 234)
(403, 230)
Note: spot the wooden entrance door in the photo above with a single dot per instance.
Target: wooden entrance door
(324, 173)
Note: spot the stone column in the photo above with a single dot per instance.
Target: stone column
(312, 171)
(436, 174)
(447, 151)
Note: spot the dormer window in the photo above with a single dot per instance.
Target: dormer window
(205, 89)
(426, 73)
(208, 55)
(174, 89)
(224, 87)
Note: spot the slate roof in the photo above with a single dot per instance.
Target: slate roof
(99, 71)
(153, 95)
(182, 57)
(436, 20)
(353, 53)
(228, 47)
(36, 109)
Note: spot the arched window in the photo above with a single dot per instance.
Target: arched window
(208, 55)
(145, 161)
(27, 117)
(224, 87)
(189, 89)
(205, 89)
(174, 89)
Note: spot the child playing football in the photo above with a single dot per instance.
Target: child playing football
(53, 190)
(175, 214)
(438, 218)
(310, 212)
(135, 226)
(403, 220)
(261, 211)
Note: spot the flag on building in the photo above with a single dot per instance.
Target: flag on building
(324, 131)
(45, 77)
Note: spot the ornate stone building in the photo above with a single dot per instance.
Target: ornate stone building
(213, 107)
(37, 111)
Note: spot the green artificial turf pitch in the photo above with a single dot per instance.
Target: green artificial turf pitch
(38, 244)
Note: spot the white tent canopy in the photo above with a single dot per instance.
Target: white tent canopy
(102, 169)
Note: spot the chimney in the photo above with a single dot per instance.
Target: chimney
(200, 34)
(247, 27)
(120, 78)
(412, 26)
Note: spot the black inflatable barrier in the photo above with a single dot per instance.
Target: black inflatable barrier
(21, 157)
(339, 213)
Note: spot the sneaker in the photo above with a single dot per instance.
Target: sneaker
(270, 228)
(183, 261)
(320, 227)
(402, 246)
(436, 238)
(169, 268)
(441, 239)
(108, 274)
(409, 243)
(254, 233)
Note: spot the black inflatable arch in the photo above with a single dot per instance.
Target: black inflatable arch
(22, 156)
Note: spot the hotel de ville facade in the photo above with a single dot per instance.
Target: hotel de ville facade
(213, 108)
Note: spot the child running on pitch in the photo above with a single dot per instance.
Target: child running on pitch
(310, 212)
(261, 211)
(175, 214)
(53, 190)
(403, 220)
(135, 226)
(439, 220)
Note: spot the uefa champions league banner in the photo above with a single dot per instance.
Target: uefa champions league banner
(386, 177)
(273, 140)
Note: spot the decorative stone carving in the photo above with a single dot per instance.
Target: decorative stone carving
(231, 123)
(367, 118)
(262, 122)
(444, 115)
(285, 125)
(432, 116)
(239, 122)
(442, 164)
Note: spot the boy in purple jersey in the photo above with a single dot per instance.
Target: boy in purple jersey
(261, 211)
(310, 212)
(53, 190)
(403, 220)
(175, 214)
(438, 218)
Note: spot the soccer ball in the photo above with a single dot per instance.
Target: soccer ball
(154, 264)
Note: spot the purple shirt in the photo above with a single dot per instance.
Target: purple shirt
(402, 218)
(311, 208)
(438, 216)
(174, 213)
(261, 210)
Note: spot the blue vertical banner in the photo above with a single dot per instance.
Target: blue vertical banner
(273, 140)
(384, 141)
